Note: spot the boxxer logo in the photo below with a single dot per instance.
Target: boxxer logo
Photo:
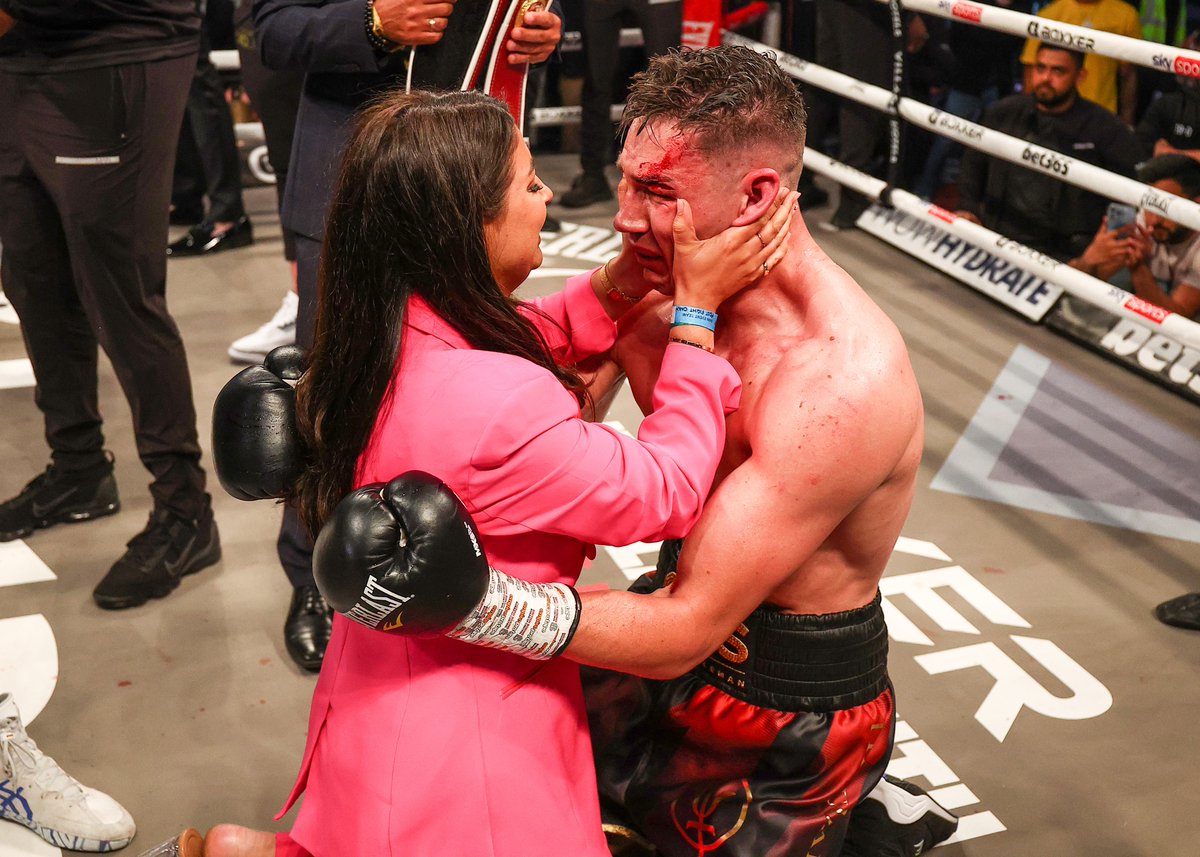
(954, 125)
(1053, 34)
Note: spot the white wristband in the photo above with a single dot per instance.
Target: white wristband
(534, 620)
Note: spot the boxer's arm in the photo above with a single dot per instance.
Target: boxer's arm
(830, 449)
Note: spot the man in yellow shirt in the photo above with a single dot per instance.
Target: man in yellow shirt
(1101, 82)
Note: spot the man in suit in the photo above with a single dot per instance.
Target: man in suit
(349, 51)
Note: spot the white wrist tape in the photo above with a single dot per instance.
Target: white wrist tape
(535, 620)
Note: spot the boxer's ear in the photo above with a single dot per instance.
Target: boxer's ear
(758, 189)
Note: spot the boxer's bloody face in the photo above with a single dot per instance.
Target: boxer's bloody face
(658, 166)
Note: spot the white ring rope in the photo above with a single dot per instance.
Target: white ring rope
(988, 140)
(1153, 55)
(1094, 291)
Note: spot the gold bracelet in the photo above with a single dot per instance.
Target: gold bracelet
(613, 293)
(682, 341)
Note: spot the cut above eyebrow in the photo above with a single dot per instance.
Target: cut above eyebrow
(650, 181)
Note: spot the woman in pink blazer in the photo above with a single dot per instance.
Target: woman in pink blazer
(431, 747)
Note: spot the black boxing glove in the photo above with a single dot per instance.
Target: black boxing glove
(256, 446)
(406, 558)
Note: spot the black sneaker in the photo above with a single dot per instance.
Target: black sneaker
(897, 819)
(60, 496)
(158, 558)
(586, 188)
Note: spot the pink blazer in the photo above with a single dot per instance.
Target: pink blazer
(435, 748)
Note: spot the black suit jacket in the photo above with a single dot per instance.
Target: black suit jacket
(328, 40)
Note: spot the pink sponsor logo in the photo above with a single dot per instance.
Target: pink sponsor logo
(967, 11)
(1146, 309)
(942, 215)
(1187, 67)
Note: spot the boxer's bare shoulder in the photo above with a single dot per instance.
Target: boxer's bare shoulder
(821, 458)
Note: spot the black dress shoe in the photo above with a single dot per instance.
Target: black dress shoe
(308, 627)
(200, 240)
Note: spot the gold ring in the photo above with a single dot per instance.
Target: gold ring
(758, 235)
(433, 24)
(766, 268)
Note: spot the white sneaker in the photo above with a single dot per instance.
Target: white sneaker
(36, 792)
(280, 330)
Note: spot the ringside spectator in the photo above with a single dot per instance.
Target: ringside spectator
(1037, 208)
(1171, 124)
(1110, 83)
(1161, 256)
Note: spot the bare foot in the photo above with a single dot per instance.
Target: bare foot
(231, 840)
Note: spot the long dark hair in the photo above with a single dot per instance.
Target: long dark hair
(422, 174)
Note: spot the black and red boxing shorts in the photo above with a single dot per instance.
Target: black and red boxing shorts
(760, 751)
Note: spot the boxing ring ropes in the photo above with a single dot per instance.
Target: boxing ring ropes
(1038, 158)
(1041, 159)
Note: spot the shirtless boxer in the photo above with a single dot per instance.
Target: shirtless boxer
(818, 475)
(750, 709)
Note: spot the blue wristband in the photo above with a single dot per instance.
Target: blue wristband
(696, 316)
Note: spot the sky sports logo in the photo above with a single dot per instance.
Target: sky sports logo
(1187, 66)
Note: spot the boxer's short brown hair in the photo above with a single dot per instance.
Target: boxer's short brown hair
(727, 97)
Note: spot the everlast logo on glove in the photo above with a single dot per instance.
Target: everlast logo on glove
(378, 607)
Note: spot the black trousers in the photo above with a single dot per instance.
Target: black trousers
(85, 179)
(853, 38)
(276, 97)
(293, 545)
(207, 155)
(662, 29)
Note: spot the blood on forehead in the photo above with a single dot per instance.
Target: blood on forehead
(655, 171)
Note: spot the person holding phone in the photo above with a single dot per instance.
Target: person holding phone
(1111, 246)
(1162, 257)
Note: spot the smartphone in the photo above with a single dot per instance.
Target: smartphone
(1120, 216)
